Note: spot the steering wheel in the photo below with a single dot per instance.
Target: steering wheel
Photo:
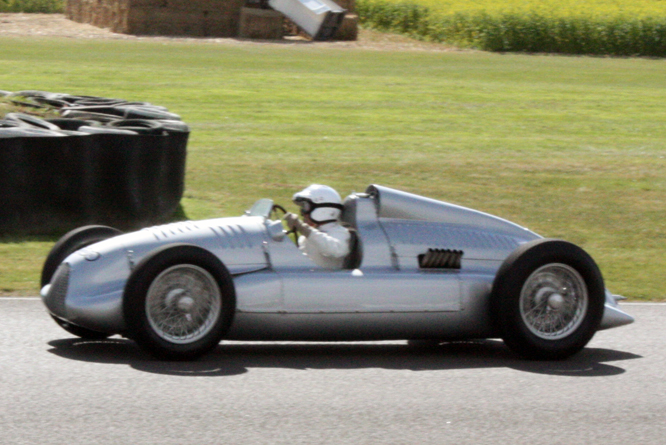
(274, 215)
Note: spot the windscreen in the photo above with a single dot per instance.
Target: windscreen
(261, 208)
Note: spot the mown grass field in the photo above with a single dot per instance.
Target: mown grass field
(571, 147)
(603, 27)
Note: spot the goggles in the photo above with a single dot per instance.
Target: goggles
(307, 206)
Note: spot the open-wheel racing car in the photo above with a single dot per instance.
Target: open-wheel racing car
(419, 269)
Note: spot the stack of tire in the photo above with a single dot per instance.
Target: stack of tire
(101, 160)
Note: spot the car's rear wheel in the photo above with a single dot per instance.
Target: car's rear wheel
(179, 302)
(68, 244)
(548, 299)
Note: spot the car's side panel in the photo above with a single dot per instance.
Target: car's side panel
(259, 292)
(356, 327)
(412, 238)
(323, 291)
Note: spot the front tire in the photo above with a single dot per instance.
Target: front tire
(548, 299)
(179, 302)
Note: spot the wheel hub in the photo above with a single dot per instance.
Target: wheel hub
(185, 304)
(180, 299)
(173, 296)
(556, 301)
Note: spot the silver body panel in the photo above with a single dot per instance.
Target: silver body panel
(282, 295)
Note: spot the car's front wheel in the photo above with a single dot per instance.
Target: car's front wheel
(179, 302)
(548, 299)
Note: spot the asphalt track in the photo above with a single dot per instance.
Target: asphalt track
(55, 389)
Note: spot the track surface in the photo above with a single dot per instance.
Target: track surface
(55, 389)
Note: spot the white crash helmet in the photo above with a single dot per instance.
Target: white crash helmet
(320, 202)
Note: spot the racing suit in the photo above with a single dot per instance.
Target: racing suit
(326, 245)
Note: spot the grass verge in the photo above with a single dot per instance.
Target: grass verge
(570, 147)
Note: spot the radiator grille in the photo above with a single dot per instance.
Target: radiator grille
(440, 259)
(55, 299)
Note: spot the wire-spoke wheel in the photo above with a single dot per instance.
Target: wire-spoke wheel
(183, 303)
(179, 302)
(547, 299)
(553, 301)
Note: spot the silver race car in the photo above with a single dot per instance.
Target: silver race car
(419, 269)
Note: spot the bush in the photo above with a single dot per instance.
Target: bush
(34, 6)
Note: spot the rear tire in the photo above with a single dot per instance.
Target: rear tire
(68, 244)
(179, 302)
(548, 299)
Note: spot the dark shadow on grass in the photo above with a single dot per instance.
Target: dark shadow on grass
(234, 358)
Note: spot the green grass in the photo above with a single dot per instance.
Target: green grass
(570, 147)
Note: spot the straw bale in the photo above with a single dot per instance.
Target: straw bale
(348, 28)
(260, 24)
(158, 21)
(144, 3)
(205, 5)
(163, 21)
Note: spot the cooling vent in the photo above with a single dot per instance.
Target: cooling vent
(55, 300)
(440, 259)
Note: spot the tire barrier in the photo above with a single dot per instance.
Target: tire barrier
(100, 161)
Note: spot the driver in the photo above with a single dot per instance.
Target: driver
(322, 239)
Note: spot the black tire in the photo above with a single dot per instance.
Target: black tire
(141, 126)
(547, 299)
(70, 124)
(26, 120)
(169, 319)
(70, 243)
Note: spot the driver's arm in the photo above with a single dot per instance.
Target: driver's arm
(296, 224)
(328, 245)
(325, 243)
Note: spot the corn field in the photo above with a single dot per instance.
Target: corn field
(602, 27)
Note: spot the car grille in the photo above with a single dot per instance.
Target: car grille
(55, 299)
